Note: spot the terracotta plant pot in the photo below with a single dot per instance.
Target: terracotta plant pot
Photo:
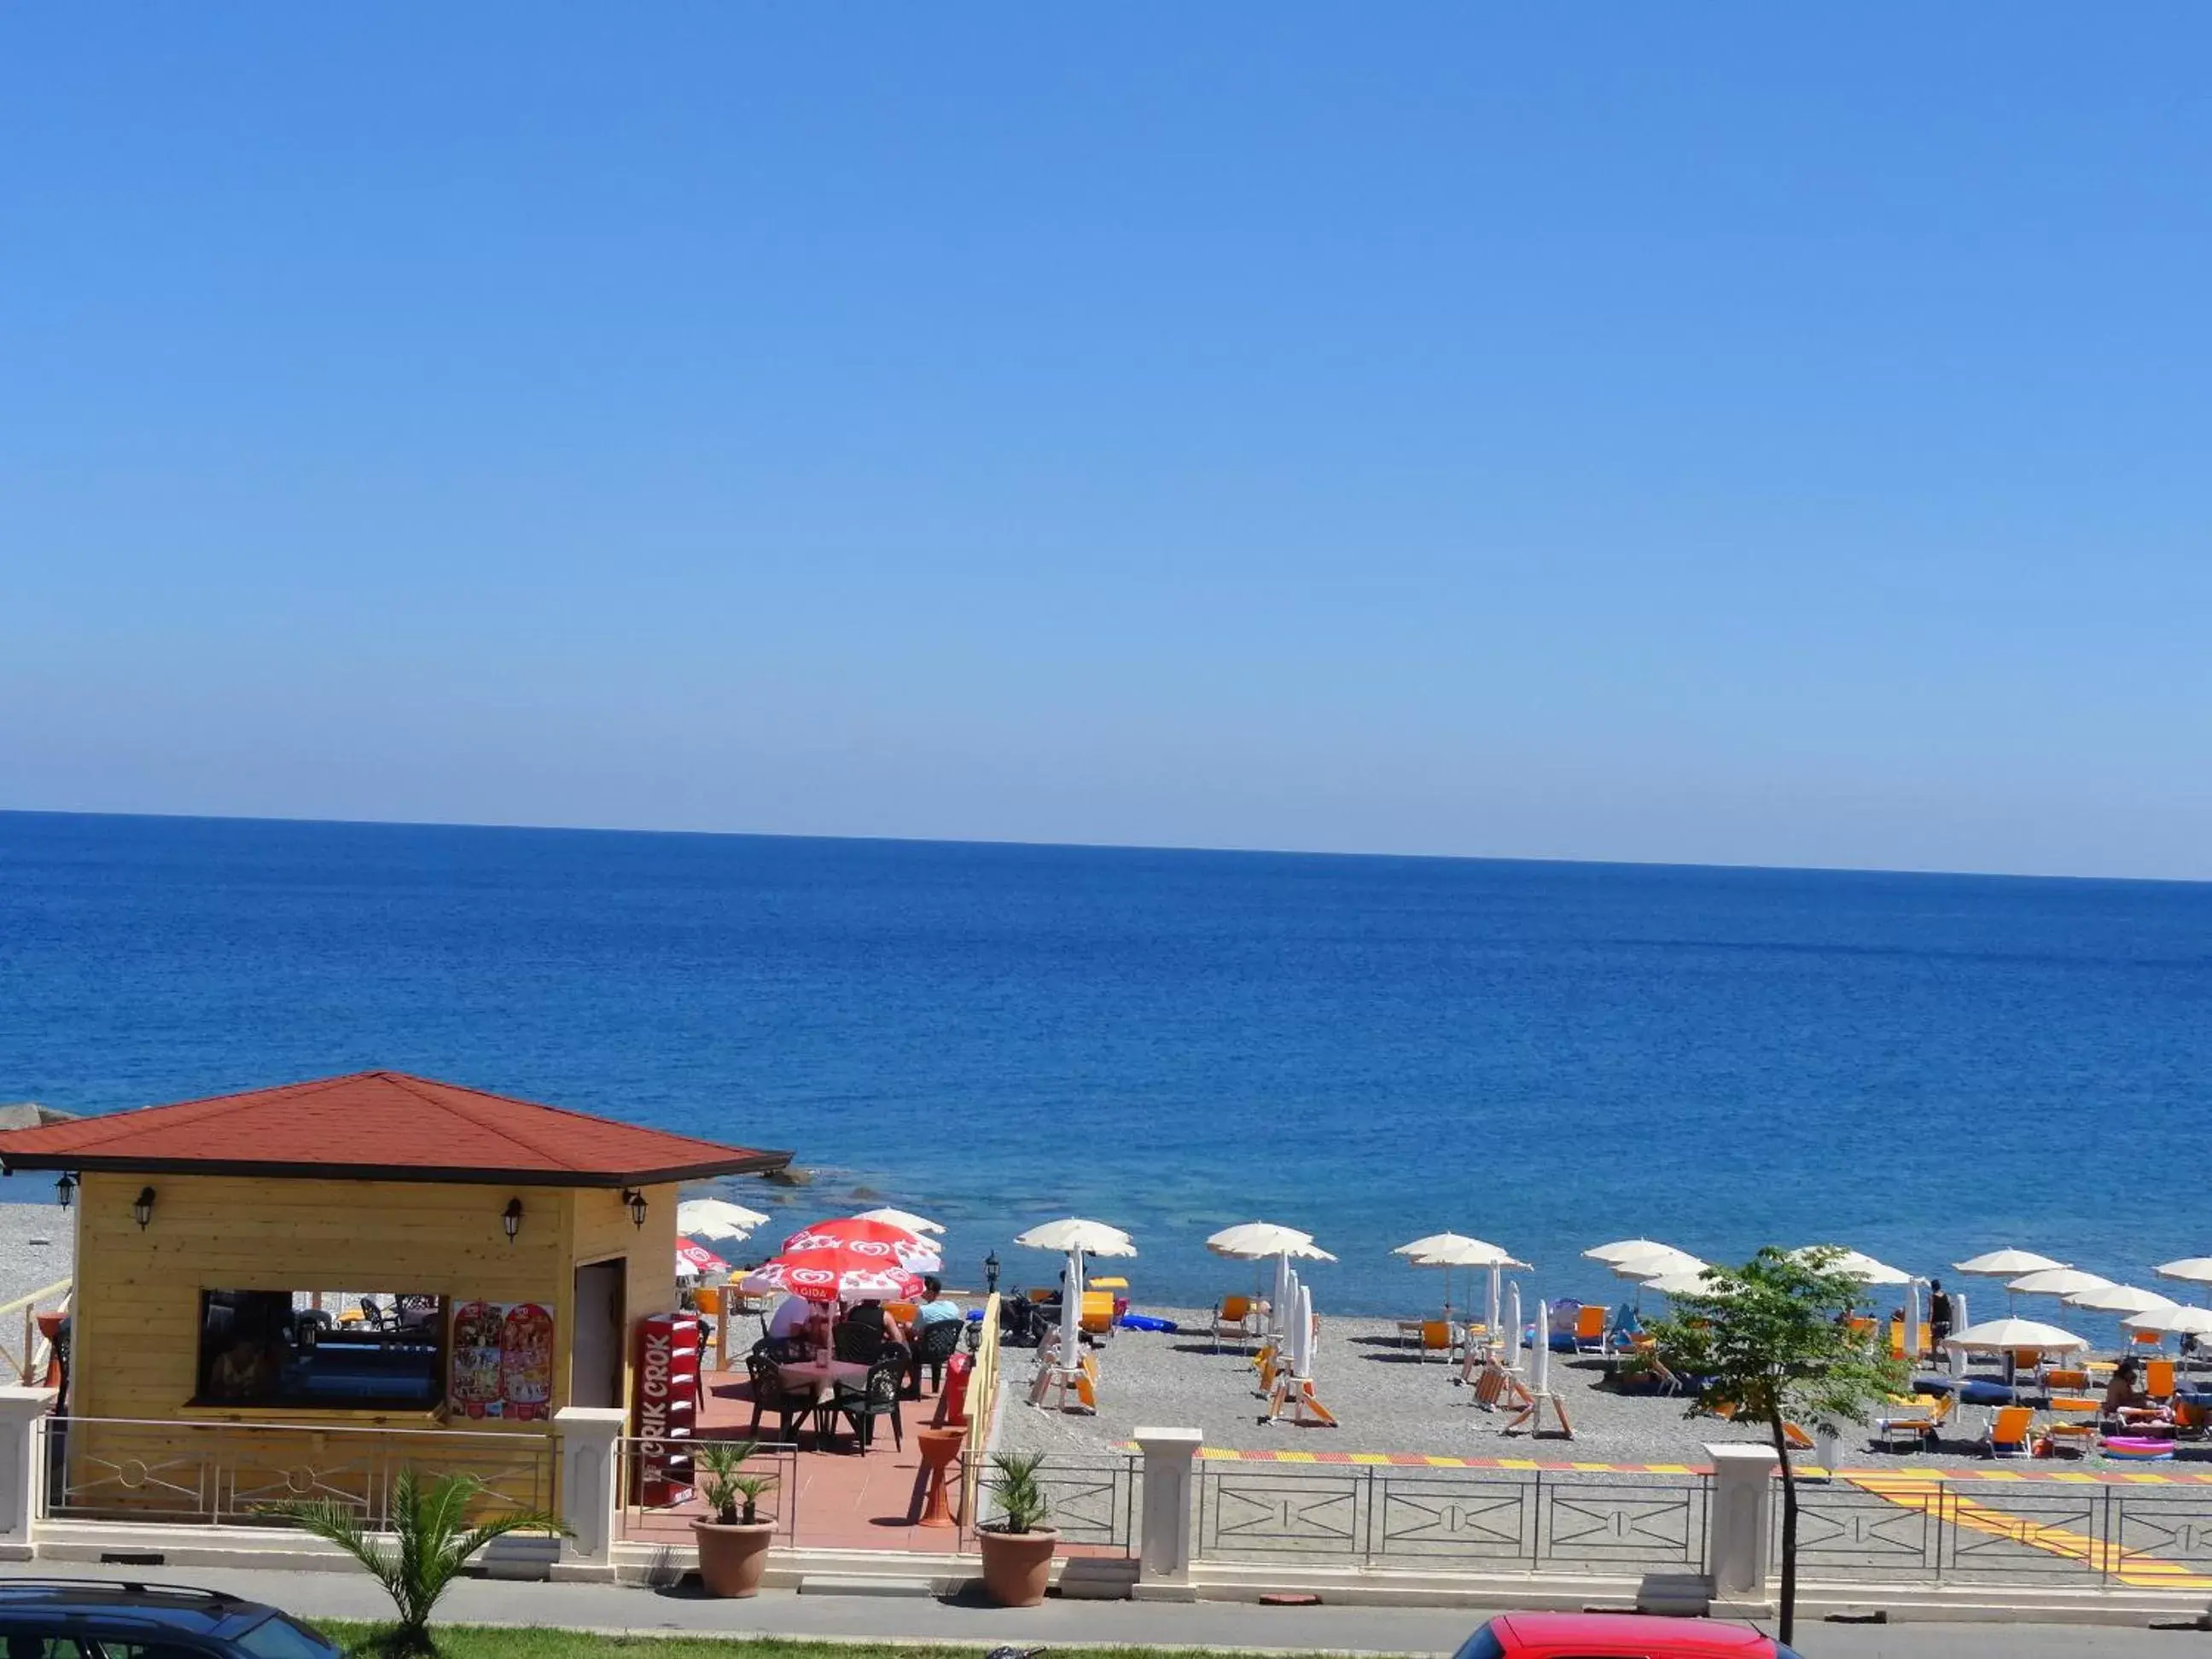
(732, 1559)
(1018, 1565)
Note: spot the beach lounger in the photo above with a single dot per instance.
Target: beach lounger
(2080, 1426)
(2010, 1433)
(1497, 1387)
(2158, 1379)
(1439, 1336)
(1239, 1318)
(1918, 1425)
(1589, 1329)
(1097, 1316)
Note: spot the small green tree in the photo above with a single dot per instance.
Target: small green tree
(431, 1541)
(1769, 1343)
(1023, 1506)
(733, 1495)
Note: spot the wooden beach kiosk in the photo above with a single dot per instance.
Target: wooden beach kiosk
(292, 1292)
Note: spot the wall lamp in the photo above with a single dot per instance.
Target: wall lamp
(65, 1190)
(635, 1200)
(511, 1219)
(142, 1207)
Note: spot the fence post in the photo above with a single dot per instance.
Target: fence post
(1164, 1551)
(590, 1488)
(1737, 1549)
(21, 1410)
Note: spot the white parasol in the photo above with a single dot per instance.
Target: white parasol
(1513, 1327)
(1681, 1281)
(1302, 1343)
(2058, 1282)
(1857, 1264)
(2177, 1321)
(1449, 1250)
(716, 1218)
(1073, 1233)
(1256, 1241)
(2195, 1269)
(1650, 1264)
(2121, 1299)
(1998, 1334)
(2006, 1264)
(1623, 1247)
(906, 1218)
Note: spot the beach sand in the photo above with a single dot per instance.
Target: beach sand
(1386, 1399)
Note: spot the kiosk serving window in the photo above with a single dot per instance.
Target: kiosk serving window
(378, 1351)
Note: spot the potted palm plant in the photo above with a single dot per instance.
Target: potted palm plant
(1017, 1546)
(734, 1543)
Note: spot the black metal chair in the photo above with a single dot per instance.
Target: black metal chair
(939, 1340)
(877, 1397)
(854, 1343)
(771, 1391)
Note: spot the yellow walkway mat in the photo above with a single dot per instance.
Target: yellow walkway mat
(1947, 1503)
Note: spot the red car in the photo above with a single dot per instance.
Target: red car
(1615, 1636)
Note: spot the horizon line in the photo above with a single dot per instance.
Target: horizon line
(1109, 845)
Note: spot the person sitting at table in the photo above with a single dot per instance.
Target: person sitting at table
(872, 1315)
(936, 1306)
(786, 1326)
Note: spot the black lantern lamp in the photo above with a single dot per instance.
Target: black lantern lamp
(511, 1219)
(142, 1207)
(65, 1190)
(991, 1272)
(635, 1200)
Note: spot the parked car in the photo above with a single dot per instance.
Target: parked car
(1606, 1635)
(105, 1618)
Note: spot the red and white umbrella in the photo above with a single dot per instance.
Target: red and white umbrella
(877, 1241)
(695, 1260)
(834, 1273)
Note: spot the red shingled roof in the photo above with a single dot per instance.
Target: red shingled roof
(379, 1125)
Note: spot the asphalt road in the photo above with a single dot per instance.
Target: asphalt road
(888, 1618)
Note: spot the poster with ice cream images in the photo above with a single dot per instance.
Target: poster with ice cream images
(502, 1361)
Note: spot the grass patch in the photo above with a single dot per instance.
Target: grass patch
(489, 1642)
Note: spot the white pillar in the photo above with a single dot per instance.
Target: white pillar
(590, 1489)
(1164, 1551)
(22, 1477)
(1740, 1522)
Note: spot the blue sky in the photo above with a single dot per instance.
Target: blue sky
(1724, 433)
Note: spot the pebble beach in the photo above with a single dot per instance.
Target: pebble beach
(1387, 1398)
(38, 1245)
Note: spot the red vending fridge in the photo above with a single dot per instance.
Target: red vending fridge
(666, 1413)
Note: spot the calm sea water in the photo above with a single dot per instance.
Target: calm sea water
(1544, 1054)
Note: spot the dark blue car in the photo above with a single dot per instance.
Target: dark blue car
(99, 1618)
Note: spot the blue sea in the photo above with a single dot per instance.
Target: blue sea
(1544, 1054)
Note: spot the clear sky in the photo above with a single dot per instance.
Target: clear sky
(1748, 434)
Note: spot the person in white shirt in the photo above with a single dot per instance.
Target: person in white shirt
(789, 1322)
